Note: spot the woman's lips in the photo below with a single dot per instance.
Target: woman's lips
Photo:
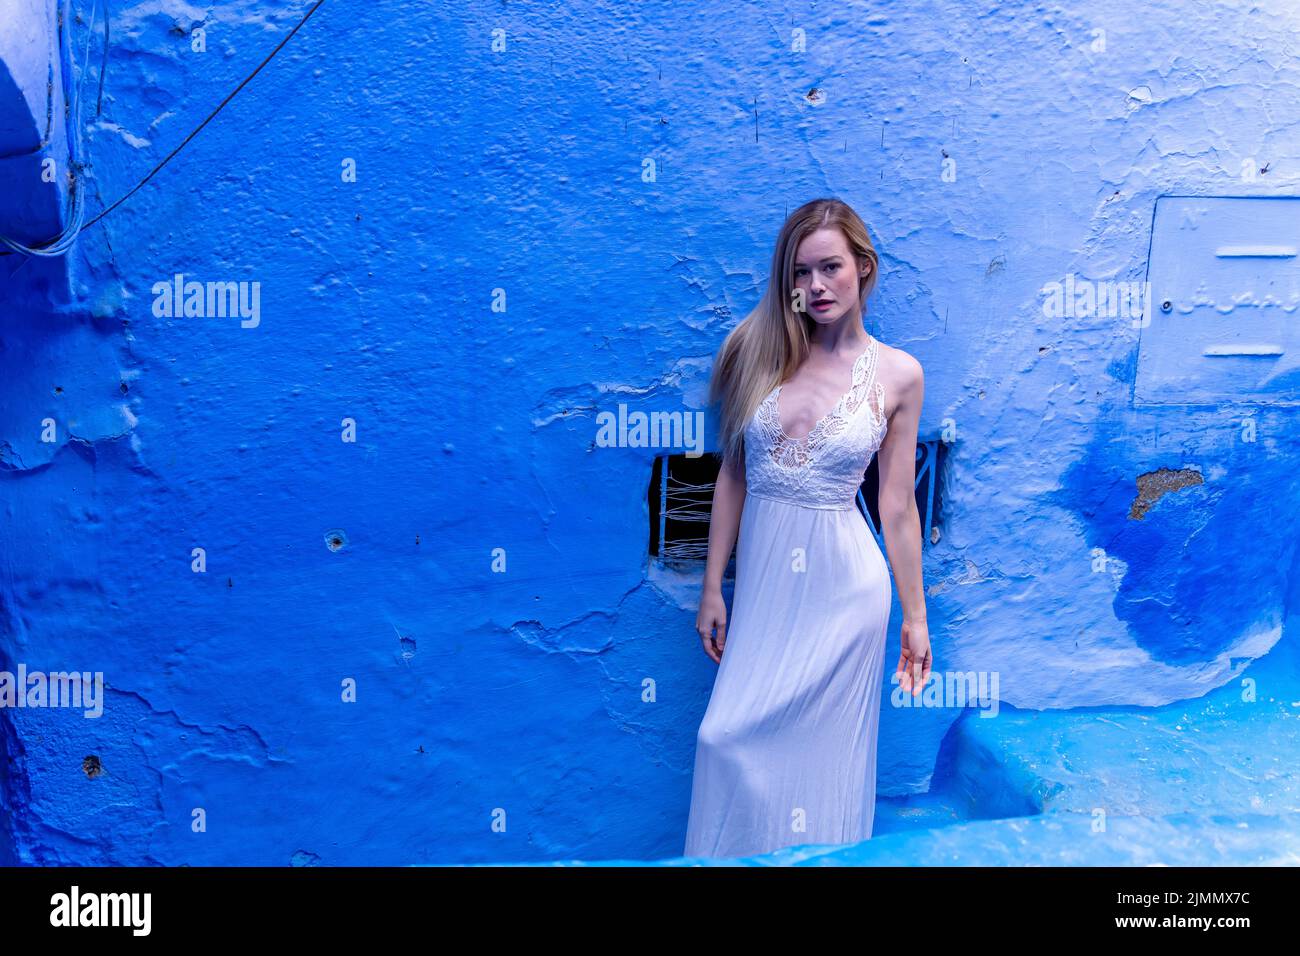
(822, 306)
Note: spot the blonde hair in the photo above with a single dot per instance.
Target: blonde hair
(770, 343)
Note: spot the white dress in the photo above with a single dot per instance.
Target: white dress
(786, 752)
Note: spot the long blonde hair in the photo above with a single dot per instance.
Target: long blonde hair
(772, 341)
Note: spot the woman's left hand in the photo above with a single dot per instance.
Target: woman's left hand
(914, 661)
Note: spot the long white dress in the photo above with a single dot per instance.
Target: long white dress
(786, 752)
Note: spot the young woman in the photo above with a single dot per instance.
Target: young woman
(786, 752)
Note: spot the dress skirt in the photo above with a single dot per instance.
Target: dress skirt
(786, 751)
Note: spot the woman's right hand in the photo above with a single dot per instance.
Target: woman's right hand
(713, 614)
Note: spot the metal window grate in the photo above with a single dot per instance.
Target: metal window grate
(681, 499)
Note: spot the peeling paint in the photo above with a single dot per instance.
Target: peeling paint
(1154, 485)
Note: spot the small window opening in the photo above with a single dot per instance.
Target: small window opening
(680, 499)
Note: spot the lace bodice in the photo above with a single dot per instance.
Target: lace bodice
(825, 468)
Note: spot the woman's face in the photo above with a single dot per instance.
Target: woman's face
(824, 268)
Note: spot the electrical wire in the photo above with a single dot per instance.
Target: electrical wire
(61, 243)
(69, 235)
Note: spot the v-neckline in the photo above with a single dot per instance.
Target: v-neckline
(853, 381)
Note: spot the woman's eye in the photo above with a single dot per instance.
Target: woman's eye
(832, 266)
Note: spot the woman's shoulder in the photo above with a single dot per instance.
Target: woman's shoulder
(898, 368)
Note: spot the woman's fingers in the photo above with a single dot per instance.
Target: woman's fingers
(707, 641)
(909, 670)
(913, 672)
(713, 647)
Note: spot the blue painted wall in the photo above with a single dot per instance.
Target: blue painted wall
(554, 212)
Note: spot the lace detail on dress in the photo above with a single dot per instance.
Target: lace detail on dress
(840, 444)
(878, 403)
(800, 452)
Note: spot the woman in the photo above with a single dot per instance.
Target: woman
(786, 752)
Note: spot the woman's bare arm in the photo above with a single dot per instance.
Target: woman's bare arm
(901, 522)
(724, 520)
(724, 527)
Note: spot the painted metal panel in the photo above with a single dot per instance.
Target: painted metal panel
(1224, 286)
